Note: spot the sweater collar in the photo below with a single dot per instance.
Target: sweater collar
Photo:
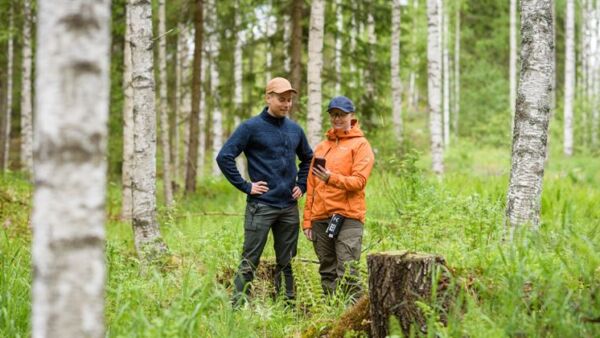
(278, 121)
(354, 131)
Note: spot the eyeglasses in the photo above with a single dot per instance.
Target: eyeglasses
(334, 114)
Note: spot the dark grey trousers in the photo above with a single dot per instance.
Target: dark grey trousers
(284, 223)
(338, 255)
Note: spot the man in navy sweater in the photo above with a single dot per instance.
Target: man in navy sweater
(271, 143)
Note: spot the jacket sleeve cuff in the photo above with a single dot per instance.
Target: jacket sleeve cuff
(247, 187)
(333, 179)
(306, 225)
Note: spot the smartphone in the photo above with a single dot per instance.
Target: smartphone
(319, 161)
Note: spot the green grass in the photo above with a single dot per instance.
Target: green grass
(544, 283)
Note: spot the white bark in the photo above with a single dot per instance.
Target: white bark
(532, 115)
(434, 60)
(287, 37)
(456, 72)
(554, 57)
(584, 46)
(588, 49)
(270, 29)
(412, 102)
(446, 75)
(72, 95)
(395, 71)
(217, 115)
(127, 168)
(569, 77)
(417, 94)
(596, 81)
(147, 236)
(585, 57)
(411, 90)
(372, 40)
(185, 59)
(238, 63)
(513, 56)
(176, 114)
(314, 68)
(162, 99)
(26, 101)
(339, 23)
(9, 93)
(353, 73)
(239, 84)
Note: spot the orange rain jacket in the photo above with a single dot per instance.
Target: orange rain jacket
(350, 160)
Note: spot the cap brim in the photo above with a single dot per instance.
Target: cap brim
(284, 91)
(340, 108)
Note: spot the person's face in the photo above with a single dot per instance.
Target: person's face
(340, 119)
(279, 104)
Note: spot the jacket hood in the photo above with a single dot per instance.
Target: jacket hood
(354, 131)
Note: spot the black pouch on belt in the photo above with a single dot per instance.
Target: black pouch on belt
(335, 225)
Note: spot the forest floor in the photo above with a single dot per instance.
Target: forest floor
(543, 283)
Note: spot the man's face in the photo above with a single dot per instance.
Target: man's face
(279, 104)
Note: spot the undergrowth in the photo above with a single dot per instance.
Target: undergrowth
(543, 283)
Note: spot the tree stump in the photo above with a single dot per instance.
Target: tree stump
(397, 280)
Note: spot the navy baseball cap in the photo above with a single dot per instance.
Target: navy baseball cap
(342, 103)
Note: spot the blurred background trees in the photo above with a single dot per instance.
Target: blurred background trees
(246, 40)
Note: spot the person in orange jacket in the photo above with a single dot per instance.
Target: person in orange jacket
(338, 189)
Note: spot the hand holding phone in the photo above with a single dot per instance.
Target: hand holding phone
(319, 161)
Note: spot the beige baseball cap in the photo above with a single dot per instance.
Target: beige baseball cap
(279, 85)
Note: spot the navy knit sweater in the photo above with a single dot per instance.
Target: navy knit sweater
(271, 145)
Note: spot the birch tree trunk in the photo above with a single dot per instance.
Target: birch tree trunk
(147, 238)
(554, 57)
(287, 38)
(238, 64)
(186, 59)
(395, 65)
(296, 53)
(192, 156)
(596, 82)
(353, 73)
(339, 23)
(26, 103)
(3, 119)
(411, 89)
(588, 48)
(585, 65)
(9, 94)
(513, 56)
(532, 115)
(372, 41)
(456, 71)
(270, 29)
(164, 112)
(239, 83)
(446, 76)
(569, 77)
(127, 168)
(72, 93)
(217, 115)
(414, 61)
(178, 98)
(315, 65)
(434, 60)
